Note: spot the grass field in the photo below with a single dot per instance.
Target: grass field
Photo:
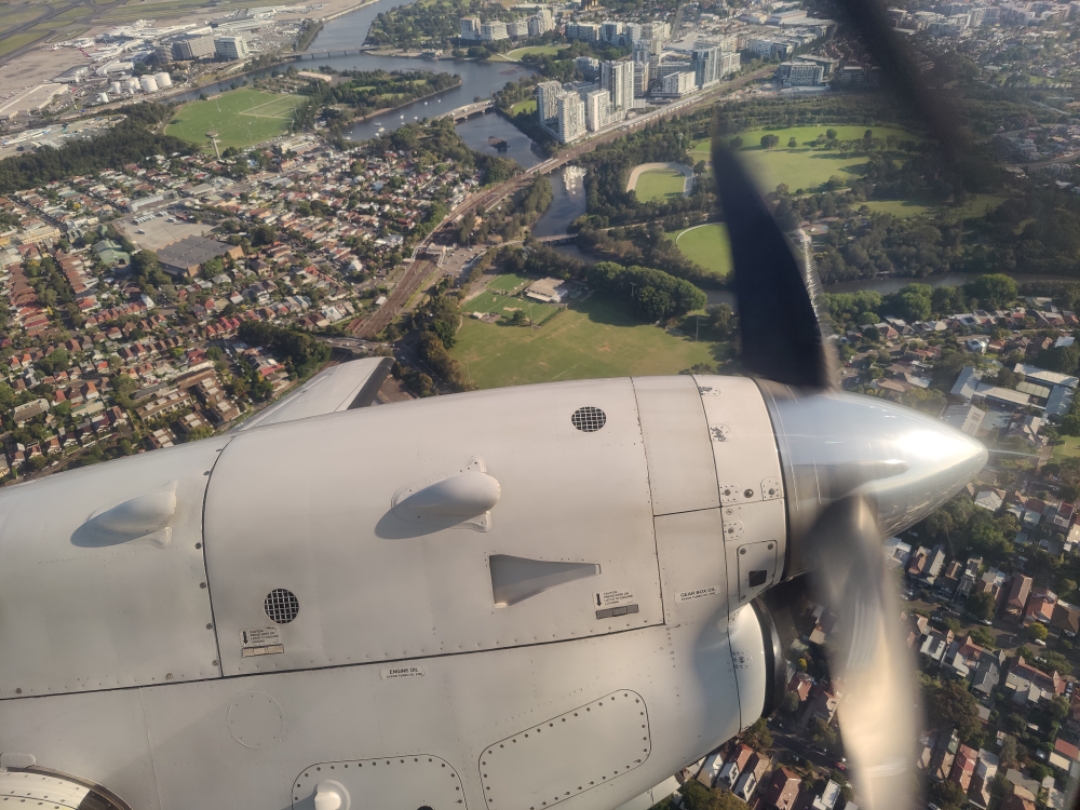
(593, 338)
(16, 41)
(505, 305)
(660, 184)
(707, 246)
(898, 208)
(1067, 446)
(508, 283)
(801, 167)
(241, 118)
(528, 105)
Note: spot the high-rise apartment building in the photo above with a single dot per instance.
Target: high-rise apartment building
(571, 117)
(547, 97)
(641, 79)
(705, 60)
(611, 32)
(678, 84)
(618, 79)
(597, 110)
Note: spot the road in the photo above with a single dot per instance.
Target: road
(417, 272)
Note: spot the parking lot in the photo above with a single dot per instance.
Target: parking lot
(153, 230)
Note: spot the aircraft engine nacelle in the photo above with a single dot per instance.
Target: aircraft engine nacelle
(506, 600)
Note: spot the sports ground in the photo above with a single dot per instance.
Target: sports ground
(658, 181)
(241, 118)
(705, 245)
(596, 337)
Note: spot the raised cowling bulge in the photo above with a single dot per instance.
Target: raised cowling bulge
(834, 444)
(464, 495)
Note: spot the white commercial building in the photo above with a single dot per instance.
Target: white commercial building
(231, 47)
(494, 30)
(470, 28)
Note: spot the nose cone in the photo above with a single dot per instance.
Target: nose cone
(835, 444)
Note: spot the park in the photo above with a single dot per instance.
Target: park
(593, 337)
(241, 118)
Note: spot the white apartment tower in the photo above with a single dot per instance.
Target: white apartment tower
(571, 117)
(597, 110)
(618, 79)
(547, 100)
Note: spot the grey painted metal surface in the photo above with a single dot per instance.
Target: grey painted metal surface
(333, 630)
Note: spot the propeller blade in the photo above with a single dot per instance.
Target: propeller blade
(782, 336)
(868, 660)
(899, 72)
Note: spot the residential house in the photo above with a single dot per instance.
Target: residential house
(827, 800)
(1066, 619)
(1030, 685)
(736, 763)
(756, 767)
(963, 767)
(1016, 601)
(782, 790)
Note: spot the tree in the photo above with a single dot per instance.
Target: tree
(983, 637)
(698, 797)
(951, 705)
(1037, 632)
(758, 736)
(792, 143)
(981, 605)
(825, 736)
(947, 794)
(791, 702)
(993, 291)
(830, 134)
(769, 141)
(735, 143)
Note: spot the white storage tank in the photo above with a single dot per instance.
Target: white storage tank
(114, 88)
(149, 84)
(131, 86)
(103, 98)
(163, 80)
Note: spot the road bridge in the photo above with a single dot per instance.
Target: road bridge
(469, 111)
(309, 55)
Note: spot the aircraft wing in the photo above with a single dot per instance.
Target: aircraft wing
(339, 388)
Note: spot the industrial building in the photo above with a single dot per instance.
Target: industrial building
(184, 258)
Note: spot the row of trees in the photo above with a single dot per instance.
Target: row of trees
(653, 294)
(130, 141)
(370, 90)
(921, 302)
